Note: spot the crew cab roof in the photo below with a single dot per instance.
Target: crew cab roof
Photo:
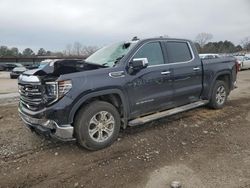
(164, 38)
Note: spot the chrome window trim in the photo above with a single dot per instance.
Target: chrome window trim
(167, 40)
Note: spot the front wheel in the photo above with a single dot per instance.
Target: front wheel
(97, 125)
(219, 95)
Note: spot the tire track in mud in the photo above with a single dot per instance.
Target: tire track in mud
(64, 176)
(199, 116)
(172, 128)
(248, 117)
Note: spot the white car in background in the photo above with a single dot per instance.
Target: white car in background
(209, 56)
(247, 55)
(244, 62)
(17, 71)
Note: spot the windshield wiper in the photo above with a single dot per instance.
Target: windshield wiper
(91, 63)
(104, 64)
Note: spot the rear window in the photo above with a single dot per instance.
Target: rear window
(178, 52)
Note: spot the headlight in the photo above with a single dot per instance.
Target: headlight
(56, 90)
(64, 87)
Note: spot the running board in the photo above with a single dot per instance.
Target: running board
(157, 115)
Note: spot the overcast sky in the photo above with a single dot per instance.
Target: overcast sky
(52, 24)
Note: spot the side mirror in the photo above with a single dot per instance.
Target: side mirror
(137, 64)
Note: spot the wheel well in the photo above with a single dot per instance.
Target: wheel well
(226, 79)
(113, 99)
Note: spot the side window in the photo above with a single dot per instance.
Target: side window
(152, 51)
(178, 52)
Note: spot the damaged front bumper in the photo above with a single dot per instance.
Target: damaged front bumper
(48, 127)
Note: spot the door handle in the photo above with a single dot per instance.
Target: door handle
(196, 68)
(165, 72)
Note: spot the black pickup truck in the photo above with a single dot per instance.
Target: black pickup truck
(123, 84)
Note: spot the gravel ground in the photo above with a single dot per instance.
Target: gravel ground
(7, 85)
(199, 148)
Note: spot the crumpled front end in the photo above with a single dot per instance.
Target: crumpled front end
(34, 112)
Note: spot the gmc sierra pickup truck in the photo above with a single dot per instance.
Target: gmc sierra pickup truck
(123, 84)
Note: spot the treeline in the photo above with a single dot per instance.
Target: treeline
(28, 52)
(219, 47)
(202, 42)
(75, 49)
(204, 46)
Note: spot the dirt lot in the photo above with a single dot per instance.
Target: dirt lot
(199, 148)
(7, 85)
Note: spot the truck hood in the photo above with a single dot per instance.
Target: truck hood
(60, 67)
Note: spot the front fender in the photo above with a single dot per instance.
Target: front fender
(84, 98)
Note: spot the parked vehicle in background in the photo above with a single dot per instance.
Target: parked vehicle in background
(120, 85)
(31, 66)
(2, 67)
(10, 66)
(17, 71)
(44, 63)
(209, 56)
(244, 62)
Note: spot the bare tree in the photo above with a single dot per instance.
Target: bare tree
(246, 43)
(203, 38)
(88, 50)
(77, 48)
(68, 50)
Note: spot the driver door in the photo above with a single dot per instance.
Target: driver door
(150, 89)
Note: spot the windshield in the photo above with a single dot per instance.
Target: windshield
(110, 55)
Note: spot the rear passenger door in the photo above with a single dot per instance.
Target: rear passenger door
(187, 72)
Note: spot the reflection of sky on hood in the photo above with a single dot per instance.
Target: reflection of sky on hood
(53, 24)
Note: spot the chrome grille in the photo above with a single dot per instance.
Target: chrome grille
(31, 96)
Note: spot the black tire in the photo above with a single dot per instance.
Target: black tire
(82, 125)
(216, 103)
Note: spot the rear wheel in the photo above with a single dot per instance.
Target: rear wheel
(219, 95)
(97, 125)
